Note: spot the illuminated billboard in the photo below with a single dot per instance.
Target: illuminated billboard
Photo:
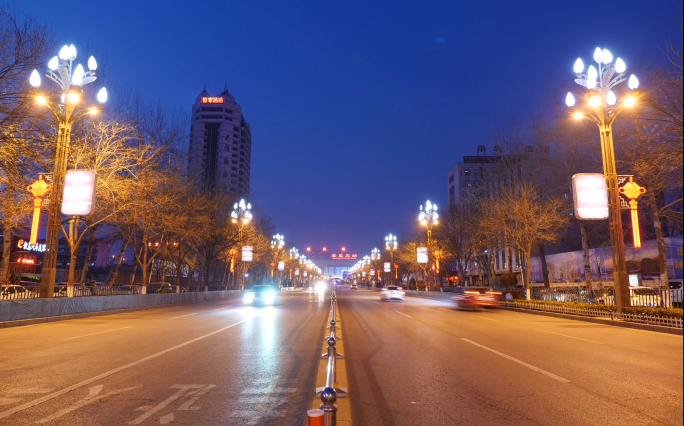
(79, 192)
(590, 194)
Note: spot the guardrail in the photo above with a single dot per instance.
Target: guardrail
(331, 391)
(596, 313)
(639, 296)
(32, 291)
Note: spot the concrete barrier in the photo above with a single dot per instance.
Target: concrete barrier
(26, 309)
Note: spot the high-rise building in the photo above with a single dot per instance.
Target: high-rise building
(220, 144)
(469, 174)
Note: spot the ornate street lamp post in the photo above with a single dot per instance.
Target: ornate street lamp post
(277, 243)
(602, 106)
(375, 255)
(428, 218)
(68, 108)
(391, 245)
(241, 216)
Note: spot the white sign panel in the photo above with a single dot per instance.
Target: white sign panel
(590, 194)
(79, 192)
(373, 272)
(387, 267)
(281, 266)
(422, 255)
(306, 274)
(296, 271)
(247, 254)
(364, 274)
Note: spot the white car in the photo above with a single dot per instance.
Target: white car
(392, 292)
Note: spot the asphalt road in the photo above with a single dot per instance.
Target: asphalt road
(418, 362)
(212, 363)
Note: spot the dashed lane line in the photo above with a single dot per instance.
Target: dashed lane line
(402, 313)
(523, 363)
(99, 332)
(181, 316)
(569, 337)
(488, 319)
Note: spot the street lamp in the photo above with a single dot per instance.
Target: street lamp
(428, 217)
(67, 109)
(277, 243)
(294, 253)
(602, 106)
(391, 245)
(241, 216)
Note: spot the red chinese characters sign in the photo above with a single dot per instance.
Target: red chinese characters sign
(344, 256)
(212, 99)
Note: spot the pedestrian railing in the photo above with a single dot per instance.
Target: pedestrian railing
(596, 313)
(641, 297)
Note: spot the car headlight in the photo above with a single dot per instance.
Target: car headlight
(269, 297)
(249, 297)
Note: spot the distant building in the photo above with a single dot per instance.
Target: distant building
(220, 152)
(468, 174)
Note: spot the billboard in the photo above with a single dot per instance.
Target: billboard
(247, 254)
(281, 266)
(79, 192)
(387, 267)
(422, 255)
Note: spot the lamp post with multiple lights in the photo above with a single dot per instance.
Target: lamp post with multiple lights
(391, 245)
(375, 256)
(428, 218)
(67, 109)
(601, 106)
(241, 216)
(277, 243)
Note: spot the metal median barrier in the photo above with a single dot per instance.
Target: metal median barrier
(329, 394)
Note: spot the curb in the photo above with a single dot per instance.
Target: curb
(343, 406)
(614, 323)
(43, 320)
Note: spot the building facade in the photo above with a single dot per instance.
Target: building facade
(467, 175)
(220, 151)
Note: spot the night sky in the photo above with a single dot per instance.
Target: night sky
(359, 109)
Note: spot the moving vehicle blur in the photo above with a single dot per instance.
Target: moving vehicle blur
(261, 294)
(354, 287)
(392, 293)
(475, 298)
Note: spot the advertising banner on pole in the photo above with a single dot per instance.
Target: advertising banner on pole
(373, 272)
(247, 254)
(387, 267)
(79, 192)
(590, 194)
(281, 266)
(422, 255)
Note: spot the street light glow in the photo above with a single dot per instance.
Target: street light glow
(92, 64)
(633, 82)
(77, 78)
(570, 100)
(34, 79)
(594, 101)
(579, 66)
(620, 66)
(630, 102)
(611, 99)
(102, 95)
(598, 55)
(93, 110)
(54, 63)
(592, 74)
(41, 100)
(64, 53)
(578, 115)
(74, 98)
(606, 56)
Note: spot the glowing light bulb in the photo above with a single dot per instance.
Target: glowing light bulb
(102, 95)
(630, 102)
(598, 55)
(611, 99)
(570, 100)
(93, 110)
(63, 98)
(606, 56)
(77, 78)
(594, 101)
(633, 82)
(592, 74)
(54, 63)
(92, 63)
(34, 78)
(578, 115)
(64, 53)
(579, 66)
(41, 100)
(620, 66)
(72, 52)
(74, 98)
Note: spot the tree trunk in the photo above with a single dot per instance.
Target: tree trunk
(6, 251)
(72, 239)
(89, 254)
(72, 272)
(662, 253)
(112, 279)
(588, 277)
(544, 265)
(526, 282)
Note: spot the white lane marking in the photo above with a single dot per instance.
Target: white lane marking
(187, 315)
(377, 303)
(99, 332)
(200, 393)
(114, 371)
(7, 401)
(402, 313)
(569, 337)
(508, 357)
(488, 319)
(445, 309)
(181, 390)
(93, 395)
(167, 418)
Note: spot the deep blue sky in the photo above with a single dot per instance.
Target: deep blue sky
(359, 109)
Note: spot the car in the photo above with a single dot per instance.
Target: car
(353, 287)
(475, 298)
(639, 296)
(14, 291)
(264, 294)
(392, 293)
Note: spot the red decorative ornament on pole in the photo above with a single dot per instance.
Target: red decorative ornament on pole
(38, 190)
(633, 190)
